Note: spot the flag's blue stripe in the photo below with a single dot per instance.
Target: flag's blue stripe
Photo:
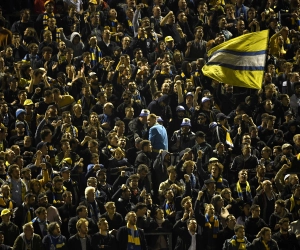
(234, 67)
(238, 53)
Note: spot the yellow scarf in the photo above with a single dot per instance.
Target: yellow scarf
(266, 245)
(240, 191)
(228, 138)
(293, 203)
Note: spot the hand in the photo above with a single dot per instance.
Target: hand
(47, 158)
(189, 44)
(239, 130)
(43, 165)
(123, 173)
(96, 167)
(86, 16)
(123, 187)
(39, 153)
(105, 125)
(198, 89)
(277, 226)
(85, 123)
(186, 178)
(54, 66)
(200, 154)
(148, 213)
(158, 61)
(186, 155)
(275, 131)
(87, 138)
(283, 158)
(200, 194)
(143, 193)
(185, 216)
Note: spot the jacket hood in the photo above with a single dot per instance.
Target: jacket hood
(164, 98)
(73, 35)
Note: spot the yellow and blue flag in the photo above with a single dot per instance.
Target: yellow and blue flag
(239, 61)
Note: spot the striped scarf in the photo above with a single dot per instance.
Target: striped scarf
(235, 240)
(169, 207)
(46, 16)
(219, 183)
(130, 25)
(228, 138)
(212, 220)
(57, 34)
(133, 240)
(96, 55)
(113, 27)
(240, 191)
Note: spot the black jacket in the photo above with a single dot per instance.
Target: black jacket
(74, 243)
(109, 241)
(257, 244)
(253, 226)
(288, 243)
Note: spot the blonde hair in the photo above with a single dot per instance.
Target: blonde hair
(80, 222)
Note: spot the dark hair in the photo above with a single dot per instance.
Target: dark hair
(80, 208)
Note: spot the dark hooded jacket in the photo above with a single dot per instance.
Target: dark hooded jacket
(160, 173)
(164, 112)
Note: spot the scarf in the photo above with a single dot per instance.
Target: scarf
(96, 55)
(46, 16)
(133, 240)
(208, 223)
(193, 180)
(57, 34)
(241, 243)
(266, 244)
(240, 191)
(73, 130)
(130, 25)
(219, 183)
(169, 208)
(293, 203)
(228, 138)
(113, 27)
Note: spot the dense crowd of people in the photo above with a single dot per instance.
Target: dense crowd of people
(111, 136)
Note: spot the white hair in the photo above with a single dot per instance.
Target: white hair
(87, 190)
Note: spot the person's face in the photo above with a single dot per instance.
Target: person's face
(47, 55)
(28, 231)
(106, 34)
(202, 8)
(211, 211)
(111, 209)
(51, 22)
(83, 213)
(192, 226)
(211, 186)
(222, 22)
(151, 121)
(86, 91)
(58, 185)
(112, 13)
(169, 195)
(278, 209)
(127, 194)
(243, 176)
(159, 214)
(134, 183)
(114, 141)
(118, 155)
(240, 25)
(185, 129)
(240, 233)
(297, 192)
(231, 222)
(126, 42)
(56, 231)
(66, 175)
(156, 11)
(27, 175)
(104, 226)
(95, 20)
(43, 201)
(92, 148)
(246, 150)
(255, 212)
(285, 227)
(84, 228)
(16, 173)
(49, 7)
(90, 195)
(43, 216)
(132, 219)
(297, 90)
(267, 186)
(215, 171)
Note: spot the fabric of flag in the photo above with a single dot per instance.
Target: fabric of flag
(239, 61)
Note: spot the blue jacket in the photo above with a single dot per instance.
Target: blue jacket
(158, 137)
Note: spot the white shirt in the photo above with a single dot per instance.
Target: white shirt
(193, 242)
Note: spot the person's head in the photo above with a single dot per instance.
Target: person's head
(188, 167)
(243, 176)
(113, 139)
(239, 231)
(255, 211)
(210, 210)
(265, 233)
(14, 171)
(246, 149)
(54, 229)
(140, 209)
(151, 120)
(90, 193)
(284, 225)
(82, 211)
(58, 183)
(126, 193)
(28, 230)
(41, 213)
(103, 225)
(134, 181)
(82, 226)
(230, 221)
(108, 108)
(131, 218)
(216, 169)
(172, 172)
(169, 195)
(217, 201)
(192, 225)
(146, 146)
(186, 203)
(110, 207)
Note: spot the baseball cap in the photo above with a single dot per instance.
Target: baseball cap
(64, 169)
(159, 119)
(180, 108)
(213, 159)
(286, 145)
(168, 39)
(93, 2)
(208, 181)
(186, 122)
(221, 116)
(205, 99)
(145, 112)
(20, 123)
(20, 111)
(92, 74)
(286, 113)
(286, 176)
(41, 196)
(28, 102)
(189, 93)
(5, 211)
